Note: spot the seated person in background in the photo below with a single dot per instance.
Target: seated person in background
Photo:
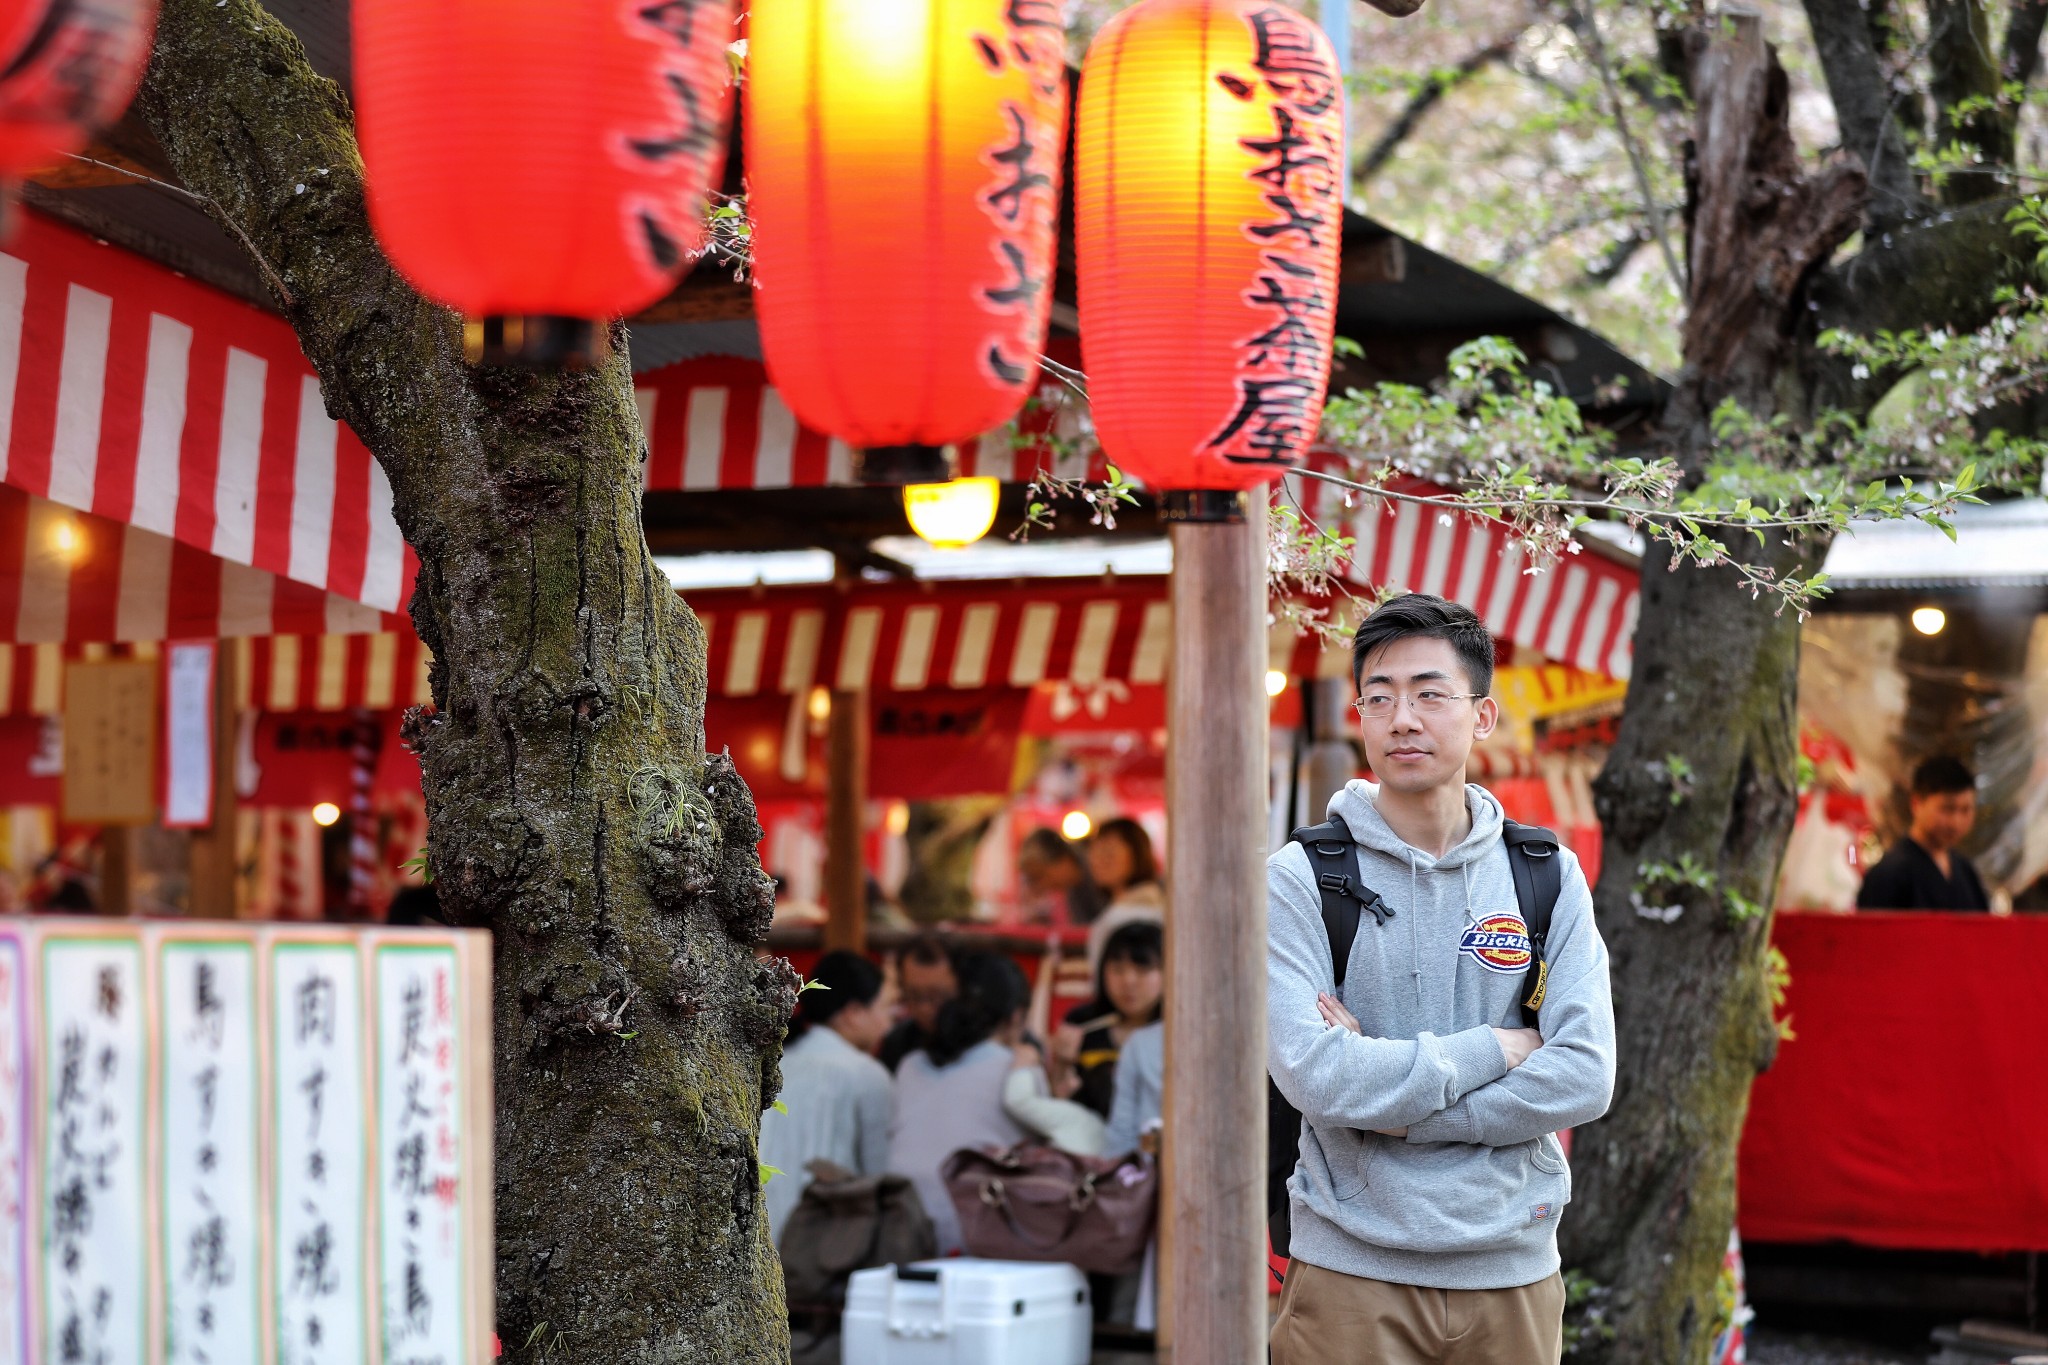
(1140, 1090)
(1130, 984)
(949, 1092)
(1923, 871)
(1121, 862)
(1052, 875)
(924, 975)
(1063, 1124)
(836, 1094)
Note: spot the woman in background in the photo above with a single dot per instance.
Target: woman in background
(949, 1093)
(1130, 986)
(1121, 863)
(836, 1094)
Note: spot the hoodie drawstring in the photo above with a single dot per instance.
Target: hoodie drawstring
(1414, 914)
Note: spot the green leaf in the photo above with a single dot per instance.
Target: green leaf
(779, 1107)
(1345, 346)
(768, 1173)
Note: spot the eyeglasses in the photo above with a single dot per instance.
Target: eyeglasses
(1427, 702)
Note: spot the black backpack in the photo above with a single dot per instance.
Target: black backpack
(1532, 858)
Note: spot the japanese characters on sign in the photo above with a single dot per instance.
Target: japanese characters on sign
(419, 1156)
(198, 1164)
(316, 1026)
(1021, 197)
(1283, 367)
(212, 1255)
(94, 1258)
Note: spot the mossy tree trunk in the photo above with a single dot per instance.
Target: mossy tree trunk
(573, 810)
(1703, 774)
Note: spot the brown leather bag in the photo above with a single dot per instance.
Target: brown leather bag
(1034, 1203)
(845, 1223)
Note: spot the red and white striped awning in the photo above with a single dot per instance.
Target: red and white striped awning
(73, 578)
(131, 392)
(1581, 611)
(276, 673)
(909, 638)
(716, 423)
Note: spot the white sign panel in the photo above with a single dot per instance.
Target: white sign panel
(188, 735)
(95, 1298)
(212, 1256)
(419, 1155)
(321, 1146)
(14, 1117)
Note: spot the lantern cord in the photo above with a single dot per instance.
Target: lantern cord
(220, 214)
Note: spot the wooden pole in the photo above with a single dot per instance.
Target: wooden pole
(117, 870)
(1215, 1185)
(846, 801)
(213, 848)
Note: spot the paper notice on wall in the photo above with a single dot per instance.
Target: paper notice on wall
(212, 1256)
(421, 1274)
(110, 741)
(188, 735)
(316, 1034)
(94, 1258)
(14, 1116)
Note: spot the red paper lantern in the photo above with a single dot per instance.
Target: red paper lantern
(903, 162)
(541, 165)
(69, 68)
(1208, 206)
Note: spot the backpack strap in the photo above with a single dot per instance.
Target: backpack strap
(1539, 877)
(1330, 857)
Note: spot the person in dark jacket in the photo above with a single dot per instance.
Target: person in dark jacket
(1923, 871)
(926, 978)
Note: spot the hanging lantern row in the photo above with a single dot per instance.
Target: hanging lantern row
(903, 160)
(67, 69)
(538, 166)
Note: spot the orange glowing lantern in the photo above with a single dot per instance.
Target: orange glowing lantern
(70, 67)
(1208, 201)
(540, 165)
(903, 161)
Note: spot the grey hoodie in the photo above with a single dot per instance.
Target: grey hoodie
(1470, 1199)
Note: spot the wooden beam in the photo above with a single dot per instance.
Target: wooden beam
(117, 870)
(1381, 261)
(846, 802)
(213, 867)
(1215, 1191)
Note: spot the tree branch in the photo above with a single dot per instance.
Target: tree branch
(1440, 83)
(2022, 51)
(1964, 80)
(1598, 46)
(1863, 108)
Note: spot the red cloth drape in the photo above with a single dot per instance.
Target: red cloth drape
(1912, 1108)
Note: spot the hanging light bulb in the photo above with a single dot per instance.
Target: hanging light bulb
(952, 515)
(1075, 824)
(1276, 682)
(1930, 620)
(326, 813)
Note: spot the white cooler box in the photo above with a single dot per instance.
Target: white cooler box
(967, 1312)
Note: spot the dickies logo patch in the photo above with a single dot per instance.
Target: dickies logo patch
(1499, 943)
(1539, 1212)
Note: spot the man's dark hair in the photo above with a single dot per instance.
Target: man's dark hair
(1941, 775)
(847, 978)
(992, 988)
(1431, 618)
(927, 950)
(1047, 846)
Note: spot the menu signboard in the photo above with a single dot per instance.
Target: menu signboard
(261, 1144)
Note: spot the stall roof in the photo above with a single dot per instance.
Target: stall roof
(1999, 545)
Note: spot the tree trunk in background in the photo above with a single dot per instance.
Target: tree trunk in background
(1714, 682)
(572, 808)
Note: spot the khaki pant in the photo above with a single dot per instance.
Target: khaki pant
(1331, 1319)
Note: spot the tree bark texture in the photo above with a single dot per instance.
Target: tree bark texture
(573, 810)
(1714, 682)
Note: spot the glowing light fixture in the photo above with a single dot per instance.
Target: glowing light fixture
(952, 515)
(1276, 682)
(326, 813)
(66, 541)
(819, 705)
(896, 820)
(1930, 620)
(1075, 824)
